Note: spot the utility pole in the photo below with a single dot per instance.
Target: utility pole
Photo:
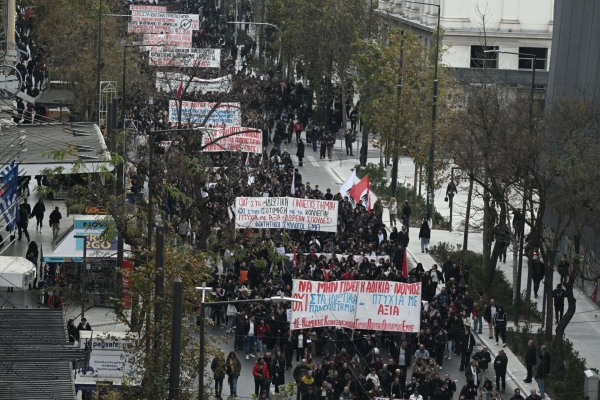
(99, 61)
(176, 341)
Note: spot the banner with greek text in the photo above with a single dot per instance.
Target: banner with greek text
(184, 57)
(370, 305)
(145, 21)
(286, 212)
(194, 112)
(226, 139)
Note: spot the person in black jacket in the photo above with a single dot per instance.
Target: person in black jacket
(500, 322)
(72, 331)
(442, 393)
(38, 212)
(300, 152)
(484, 358)
(466, 343)
(500, 366)
(530, 360)
(395, 390)
(406, 210)
(425, 235)
(403, 238)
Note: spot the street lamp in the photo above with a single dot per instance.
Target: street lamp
(433, 109)
(522, 233)
(204, 289)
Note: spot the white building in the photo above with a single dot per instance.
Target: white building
(520, 26)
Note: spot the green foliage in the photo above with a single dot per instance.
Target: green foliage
(569, 389)
(501, 290)
(403, 192)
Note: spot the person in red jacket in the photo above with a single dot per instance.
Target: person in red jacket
(298, 128)
(262, 330)
(261, 374)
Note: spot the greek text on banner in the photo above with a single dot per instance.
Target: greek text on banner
(370, 305)
(286, 212)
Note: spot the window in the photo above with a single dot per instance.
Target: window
(526, 61)
(480, 59)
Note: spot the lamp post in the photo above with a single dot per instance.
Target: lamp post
(524, 213)
(433, 110)
(204, 289)
(83, 272)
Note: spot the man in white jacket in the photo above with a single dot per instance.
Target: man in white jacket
(416, 395)
(373, 377)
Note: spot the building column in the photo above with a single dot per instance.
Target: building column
(397, 7)
(383, 5)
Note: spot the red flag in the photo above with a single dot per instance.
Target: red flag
(404, 265)
(179, 91)
(595, 293)
(361, 191)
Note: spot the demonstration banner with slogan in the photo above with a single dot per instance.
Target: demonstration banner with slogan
(169, 81)
(371, 305)
(226, 140)
(143, 21)
(286, 212)
(185, 57)
(226, 114)
(171, 7)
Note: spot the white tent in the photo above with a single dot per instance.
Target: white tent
(17, 272)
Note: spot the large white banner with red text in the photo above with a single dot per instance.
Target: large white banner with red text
(228, 139)
(370, 305)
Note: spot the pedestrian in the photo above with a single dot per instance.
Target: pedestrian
(298, 128)
(314, 137)
(72, 331)
(558, 295)
(517, 395)
(38, 212)
(348, 140)
(539, 271)
(486, 390)
(500, 322)
(466, 343)
(233, 368)
(251, 344)
(530, 360)
(406, 210)
(262, 329)
(392, 206)
(323, 143)
(24, 215)
(500, 367)
(483, 358)
(563, 269)
(218, 368)
(425, 235)
(260, 373)
(55, 217)
(533, 395)
(84, 325)
(278, 377)
(472, 373)
(300, 151)
(479, 312)
(489, 314)
(330, 143)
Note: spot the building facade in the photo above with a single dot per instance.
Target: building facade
(473, 26)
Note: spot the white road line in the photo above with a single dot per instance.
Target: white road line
(313, 161)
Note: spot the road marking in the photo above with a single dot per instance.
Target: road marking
(313, 161)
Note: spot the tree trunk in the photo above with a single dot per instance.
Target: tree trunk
(468, 216)
(486, 238)
(416, 181)
(515, 262)
(571, 308)
(548, 283)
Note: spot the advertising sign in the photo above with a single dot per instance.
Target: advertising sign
(372, 305)
(184, 57)
(286, 212)
(192, 112)
(226, 139)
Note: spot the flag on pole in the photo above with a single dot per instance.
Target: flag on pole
(179, 91)
(248, 158)
(347, 186)
(293, 189)
(361, 191)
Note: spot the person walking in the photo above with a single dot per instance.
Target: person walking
(278, 377)
(479, 312)
(38, 212)
(260, 373)
(330, 143)
(24, 215)
(466, 344)
(539, 271)
(300, 151)
(483, 358)
(348, 140)
(406, 210)
(425, 235)
(489, 314)
(251, 344)
(218, 368)
(392, 206)
(500, 367)
(533, 395)
(314, 137)
(298, 128)
(517, 395)
(500, 322)
(55, 217)
(233, 368)
(323, 143)
(558, 295)
(472, 373)
(540, 374)
(530, 360)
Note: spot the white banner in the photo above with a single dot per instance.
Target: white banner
(185, 57)
(172, 7)
(183, 39)
(248, 141)
(169, 82)
(226, 114)
(286, 212)
(370, 305)
(143, 21)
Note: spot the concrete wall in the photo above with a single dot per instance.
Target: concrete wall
(575, 60)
